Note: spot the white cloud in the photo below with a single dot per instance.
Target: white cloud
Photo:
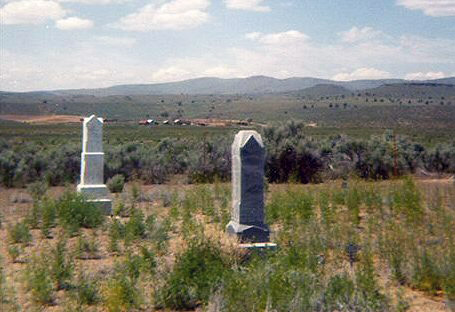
(115, 41)
(282, 38)
(173, 15)
(356, 34)
(171, 73)
(95, 2)
(362, 73)
(430, 7)
(73, 23)
(30, 12)
(101, 61)
(249, 5)
(425, 76)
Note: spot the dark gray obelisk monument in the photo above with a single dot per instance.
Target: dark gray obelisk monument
(247, 217)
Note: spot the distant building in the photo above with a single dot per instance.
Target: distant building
(148, 122)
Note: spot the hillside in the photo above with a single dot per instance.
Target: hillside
(321, 90)
(250, 85)
(415, 90)
(390, 105)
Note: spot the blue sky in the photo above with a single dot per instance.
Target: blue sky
(54, 44)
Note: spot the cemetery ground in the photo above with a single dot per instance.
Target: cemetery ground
(373, 246)
(377, 246)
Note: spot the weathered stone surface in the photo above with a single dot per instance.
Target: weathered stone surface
(92, 169)
(248, 157)
(92, 165)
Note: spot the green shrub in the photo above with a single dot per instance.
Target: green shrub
(87, 249)
(38, 280)
(49, 216)
(33, 218)
(135, 192)
(339, 293)
(120, 209)
(116, 183)
(158, 231)
(3, 298)
(196, 273)
(116, 232)
(86, 290)
(135, 227)
(37, 190)
(353, 202)
(61, 265)
(368, 291)
(407, 200)
(19, 233)
(148, 261)
(427, 275)
(75, 212)
(121, 294)
(327, 214)
(14, 252)
(290, 206)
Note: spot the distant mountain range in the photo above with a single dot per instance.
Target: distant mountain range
(251, 85)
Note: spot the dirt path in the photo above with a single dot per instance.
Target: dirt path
(43, 119)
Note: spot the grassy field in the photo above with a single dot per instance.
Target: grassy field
(113, 133)
(383, 246)
(409, 107)
(131, 132)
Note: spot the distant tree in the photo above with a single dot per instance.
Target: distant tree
(164, 114)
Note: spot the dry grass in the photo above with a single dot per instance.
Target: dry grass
(104, 264)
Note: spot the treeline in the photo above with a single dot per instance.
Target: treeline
(292, 156)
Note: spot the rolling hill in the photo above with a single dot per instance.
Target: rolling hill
(217, 86)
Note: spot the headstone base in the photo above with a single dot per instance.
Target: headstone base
(105, 205)
(259, 246)
(98, 195)
(249, 233)
(93, 191)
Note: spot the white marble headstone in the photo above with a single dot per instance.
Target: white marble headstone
(92, 164)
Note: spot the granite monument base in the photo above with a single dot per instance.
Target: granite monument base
(98, 195)
(249, 233)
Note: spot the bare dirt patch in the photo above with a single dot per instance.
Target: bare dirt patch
(43, 119)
